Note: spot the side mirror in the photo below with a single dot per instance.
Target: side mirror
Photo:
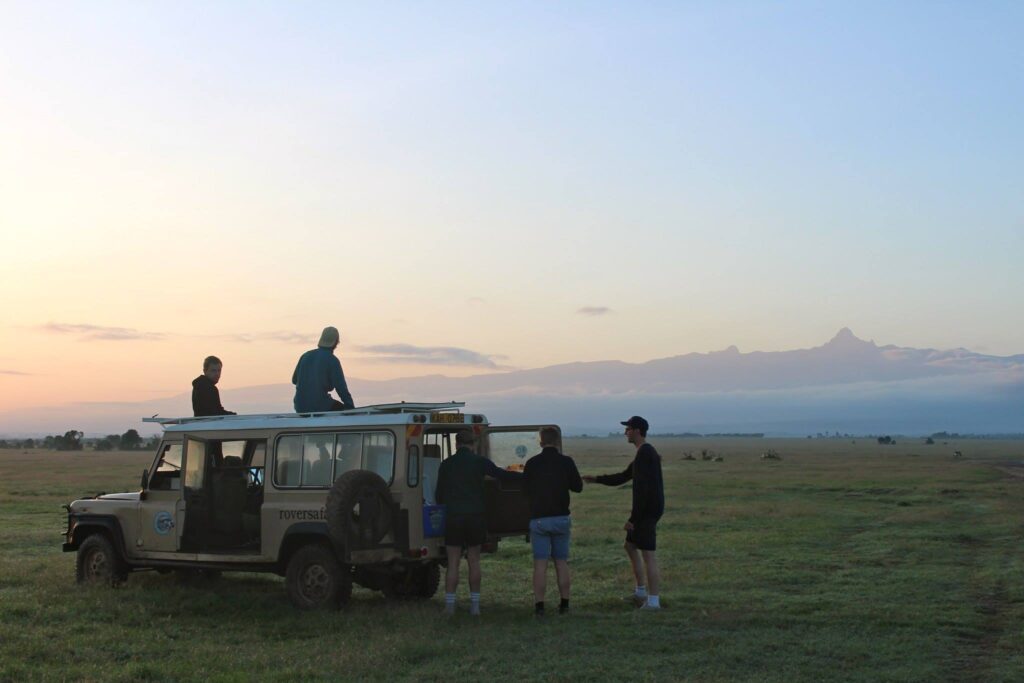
(145, 479)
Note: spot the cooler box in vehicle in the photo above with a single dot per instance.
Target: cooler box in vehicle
(433, 521)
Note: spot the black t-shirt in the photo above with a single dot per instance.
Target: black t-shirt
(549, 478)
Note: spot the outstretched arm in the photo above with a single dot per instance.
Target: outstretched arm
(612, 479)
(492, 470)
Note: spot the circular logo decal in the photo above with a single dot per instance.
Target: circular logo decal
(163, 522)
(520, 451)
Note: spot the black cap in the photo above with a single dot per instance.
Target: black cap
(636, 422)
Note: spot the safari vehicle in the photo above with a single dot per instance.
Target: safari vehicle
(323, 499)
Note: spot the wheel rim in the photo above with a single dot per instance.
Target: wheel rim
(96, 565)
(316, 583)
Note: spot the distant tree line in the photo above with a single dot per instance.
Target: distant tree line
(695, 435)
(74, 440)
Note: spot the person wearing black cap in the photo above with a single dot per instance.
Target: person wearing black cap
(648, 506)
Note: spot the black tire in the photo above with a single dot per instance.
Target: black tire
(358, 510)
(316, 580)
(98, 563)
(415, 583)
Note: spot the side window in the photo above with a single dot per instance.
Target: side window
(317, 459)
(288, 460)
(412, 468)
(349, 454)
(195, 463)
(379, 454)
(167, 475)
(257, 464)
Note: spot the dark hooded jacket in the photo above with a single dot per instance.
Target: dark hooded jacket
(206, 398)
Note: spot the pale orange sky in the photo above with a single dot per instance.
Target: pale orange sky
(526, 186)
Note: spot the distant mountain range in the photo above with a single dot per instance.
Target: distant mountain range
(847, 384)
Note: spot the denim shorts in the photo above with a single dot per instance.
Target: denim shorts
(550, 537)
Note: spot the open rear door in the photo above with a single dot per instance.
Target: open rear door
(508, 510)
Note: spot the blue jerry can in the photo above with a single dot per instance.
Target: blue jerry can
(433, 520)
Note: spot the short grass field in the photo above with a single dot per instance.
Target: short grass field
(841, 561)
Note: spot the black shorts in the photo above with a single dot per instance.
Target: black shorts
(465, 530)
(644, 534)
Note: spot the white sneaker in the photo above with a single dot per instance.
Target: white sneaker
(648, 607)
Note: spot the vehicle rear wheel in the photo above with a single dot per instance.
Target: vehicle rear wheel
(415, 583)
(358, 509)
(316, 580)
(98, 563)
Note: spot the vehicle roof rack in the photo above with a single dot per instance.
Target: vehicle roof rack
(378, 409)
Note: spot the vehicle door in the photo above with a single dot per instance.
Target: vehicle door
(161, 505)
(195, 498)
(508, 509)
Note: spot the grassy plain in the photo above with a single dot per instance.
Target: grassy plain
(843, 561)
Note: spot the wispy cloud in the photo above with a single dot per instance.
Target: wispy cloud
(15, 373)
(432, 355)
(594, 310)
(277, 336)
(101, 333)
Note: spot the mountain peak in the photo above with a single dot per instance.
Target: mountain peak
(845, 338)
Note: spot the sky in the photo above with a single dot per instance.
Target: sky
(468, 187)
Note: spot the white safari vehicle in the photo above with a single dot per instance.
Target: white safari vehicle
(323, 499)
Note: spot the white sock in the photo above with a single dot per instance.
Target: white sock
(449, 598)
(474, 598)
(640, 591)
(653, 601)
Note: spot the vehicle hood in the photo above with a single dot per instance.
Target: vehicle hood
(119, 496)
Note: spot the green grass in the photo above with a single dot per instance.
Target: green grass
(846, 562)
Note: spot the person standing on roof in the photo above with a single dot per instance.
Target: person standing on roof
(317, 373)
(205, 396)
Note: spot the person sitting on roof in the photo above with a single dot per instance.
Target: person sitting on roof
(317, 373)
(205, 396)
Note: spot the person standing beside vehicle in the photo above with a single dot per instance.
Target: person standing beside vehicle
(648, 507)
(460, 488)
(205, 395)
(317, 373)
(549, 477)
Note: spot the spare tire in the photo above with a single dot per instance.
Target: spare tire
(359, 510)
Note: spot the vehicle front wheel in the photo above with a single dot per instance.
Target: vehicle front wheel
(98, 563)
(316, 580)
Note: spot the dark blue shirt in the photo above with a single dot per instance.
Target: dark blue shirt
(318, 372)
